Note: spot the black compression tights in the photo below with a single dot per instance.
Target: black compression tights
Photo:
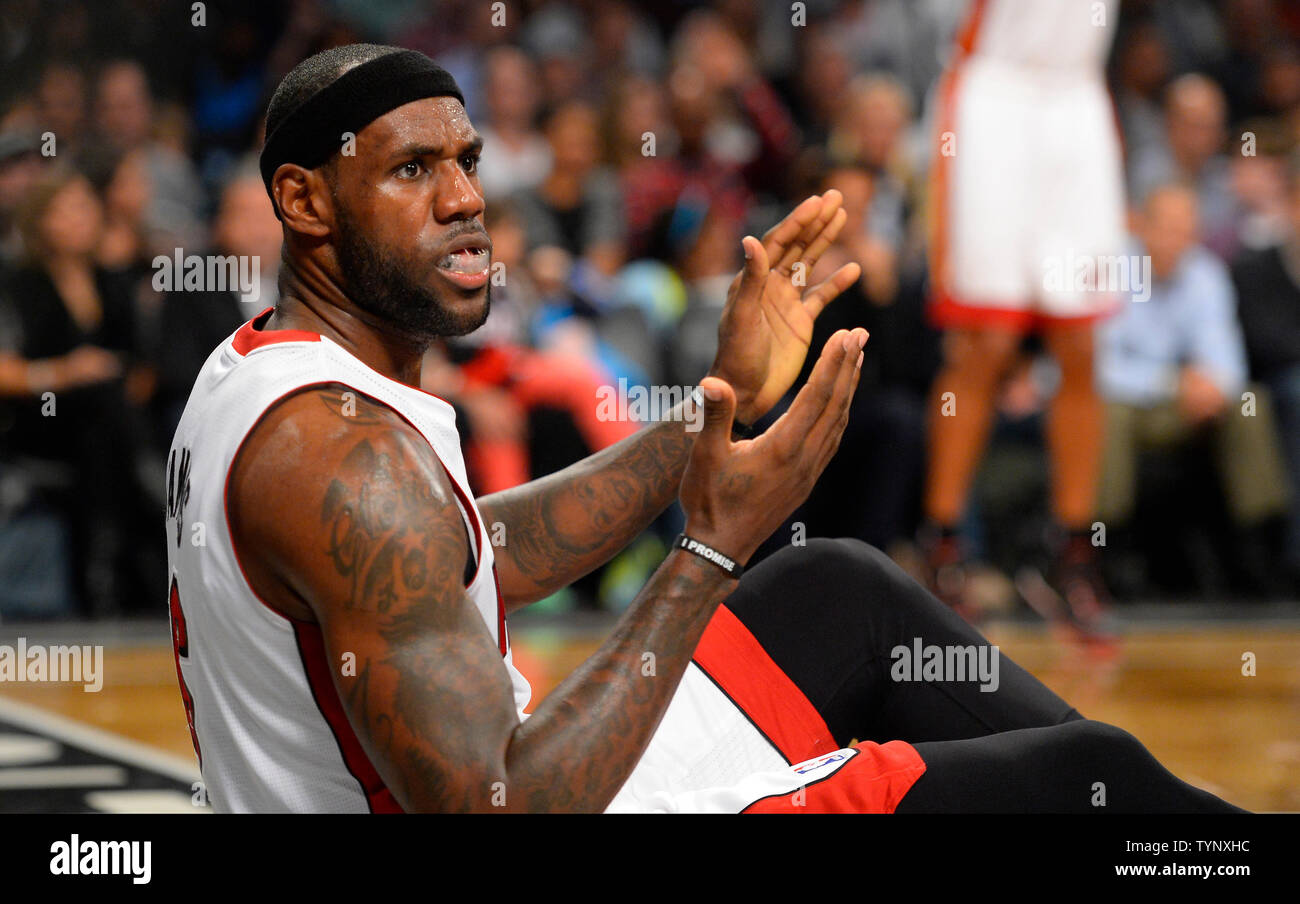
(830, 613)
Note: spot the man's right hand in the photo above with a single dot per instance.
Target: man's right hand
(86, 365)
(736, 494)
(1199, 397)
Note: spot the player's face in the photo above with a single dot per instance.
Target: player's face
(409, 220)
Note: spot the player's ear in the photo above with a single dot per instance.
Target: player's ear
(303, 199)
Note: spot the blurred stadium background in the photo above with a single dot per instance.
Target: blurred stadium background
(629, 147)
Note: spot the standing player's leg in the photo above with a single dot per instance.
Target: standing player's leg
(982, 292)
(1075, 426)
(1079, 238)
(961, 413)
(962, 403)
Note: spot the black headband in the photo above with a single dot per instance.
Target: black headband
(314, 131)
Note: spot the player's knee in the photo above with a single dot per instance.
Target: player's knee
(1075, 357)
(986, 354)
(847, 566)
(1103, 742)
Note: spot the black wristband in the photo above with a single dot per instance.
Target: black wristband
(709, 554)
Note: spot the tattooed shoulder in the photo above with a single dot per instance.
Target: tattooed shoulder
(340, 499)
(390, 524)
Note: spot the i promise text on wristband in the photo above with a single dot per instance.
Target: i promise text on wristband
(709, 554)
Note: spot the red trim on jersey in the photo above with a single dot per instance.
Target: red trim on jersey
(969, 35)
(311, 647)
(741, 668)
(874, 780)
(181, 650)
(467, 504)
(251, 335)
(501, 611)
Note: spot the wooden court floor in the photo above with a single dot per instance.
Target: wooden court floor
(1180, 689)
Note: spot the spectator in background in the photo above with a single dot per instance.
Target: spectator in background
(1279, 78)
(20, 167)
(578, 207)
(125, 249)
(622, 42)
(872, 130)
(641, 145)
(194, 323)
(1141, 71)
(124, 121)
(1173, 367)
(869, 489)
(898, 37)
(229, 84)
(1244, 34)
(1268, 286)
(1193, 152)
(515, 155)
(726, 113)
(1259, 184)
(73, 332)
(822, 80)
(556, 37)
(61, 105)
(127, 192)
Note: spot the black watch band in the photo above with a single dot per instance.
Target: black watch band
(709, 554)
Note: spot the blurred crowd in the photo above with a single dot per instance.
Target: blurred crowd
(629, 147)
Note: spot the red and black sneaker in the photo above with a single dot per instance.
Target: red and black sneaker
(1073, 593)
(948, 570)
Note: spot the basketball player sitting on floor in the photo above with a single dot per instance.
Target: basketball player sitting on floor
(341, 637)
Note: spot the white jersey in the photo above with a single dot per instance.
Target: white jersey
(267, 723)
(1050, 34)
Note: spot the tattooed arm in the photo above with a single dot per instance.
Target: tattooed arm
(563, 526)
(566, 524)
(350, 522)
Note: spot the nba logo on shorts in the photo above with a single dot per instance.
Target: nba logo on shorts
(810, 765)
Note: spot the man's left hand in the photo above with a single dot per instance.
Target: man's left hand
(767, 323)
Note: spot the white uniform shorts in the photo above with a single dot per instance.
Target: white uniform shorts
(1028, 196)
(740, 737)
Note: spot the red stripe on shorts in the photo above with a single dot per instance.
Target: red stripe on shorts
(739, 665)
(873, 782)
